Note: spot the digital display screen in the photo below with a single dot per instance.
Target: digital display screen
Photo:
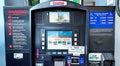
(101, 19)
(59, 17)
(59, 39)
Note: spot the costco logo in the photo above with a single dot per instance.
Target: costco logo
(58, 3)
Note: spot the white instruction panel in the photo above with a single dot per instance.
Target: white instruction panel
(76, 50)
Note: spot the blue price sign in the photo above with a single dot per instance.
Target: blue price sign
(101, 19)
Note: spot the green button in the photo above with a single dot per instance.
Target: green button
(76, 1)
(91, 57)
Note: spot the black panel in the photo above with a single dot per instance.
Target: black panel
(101, 39)
(18, 62)
(17, 36)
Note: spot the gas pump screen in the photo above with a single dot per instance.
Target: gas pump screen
(59, 17)
(59, 40)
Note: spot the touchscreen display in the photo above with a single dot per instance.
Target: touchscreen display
(59, 39)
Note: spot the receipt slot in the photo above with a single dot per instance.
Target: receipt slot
(59, 34)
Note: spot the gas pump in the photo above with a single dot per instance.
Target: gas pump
(59, 34)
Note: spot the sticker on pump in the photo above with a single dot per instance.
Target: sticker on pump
(58, 3)
(95, 56)
(18, 55)
(76, 50)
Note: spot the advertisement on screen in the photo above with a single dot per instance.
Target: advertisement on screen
(59, 17)
(59, 39)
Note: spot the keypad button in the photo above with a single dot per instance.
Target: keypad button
(43, 39)
(43, 47)
(43, 43)
(43, 35)
(75, 39)
(75, 35)
(75, 43)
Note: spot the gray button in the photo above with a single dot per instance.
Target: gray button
(54, 52)
(64, 52)
(59, 52)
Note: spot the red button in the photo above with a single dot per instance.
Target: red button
(10, 46)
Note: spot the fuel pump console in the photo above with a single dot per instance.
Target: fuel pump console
(59, 34)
